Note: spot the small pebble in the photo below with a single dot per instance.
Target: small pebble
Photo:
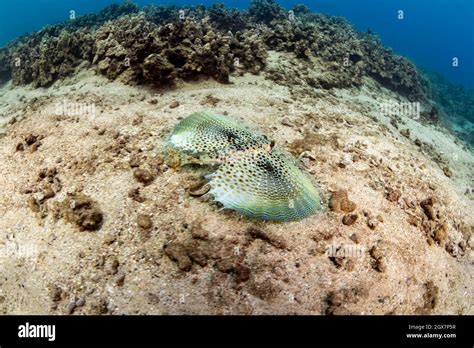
(144, 221)
(174, 104)
(349, 219)
(143, 176)
(111, 266)
(70, 307)
(286, 122)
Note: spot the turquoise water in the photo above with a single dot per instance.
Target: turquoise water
(432, 32)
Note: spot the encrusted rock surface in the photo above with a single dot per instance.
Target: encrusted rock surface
(161, 45)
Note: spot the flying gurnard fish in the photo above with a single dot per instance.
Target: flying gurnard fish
(253, 176)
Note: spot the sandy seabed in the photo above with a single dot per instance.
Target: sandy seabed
(93, 221)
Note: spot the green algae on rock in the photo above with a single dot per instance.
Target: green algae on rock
(253, 177)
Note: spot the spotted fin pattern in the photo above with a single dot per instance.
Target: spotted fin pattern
(214, 136)
(264, 185)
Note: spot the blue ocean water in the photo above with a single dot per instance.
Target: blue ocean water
(432, 32)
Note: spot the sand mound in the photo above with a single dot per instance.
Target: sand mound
(93, 221)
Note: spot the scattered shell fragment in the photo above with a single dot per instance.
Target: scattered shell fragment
(199, 189)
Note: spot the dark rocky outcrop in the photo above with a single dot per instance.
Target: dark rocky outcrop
(162, 44)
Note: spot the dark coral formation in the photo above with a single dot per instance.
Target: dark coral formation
(55, 51)
(227, 19)
(394, 72)
(171, 13)
(42, 60)
(161, 45)
(454, 105)
(188, 49)
(266, 11)
(5, 70)
(346, 55)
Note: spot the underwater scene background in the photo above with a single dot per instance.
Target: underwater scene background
(251, 157)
